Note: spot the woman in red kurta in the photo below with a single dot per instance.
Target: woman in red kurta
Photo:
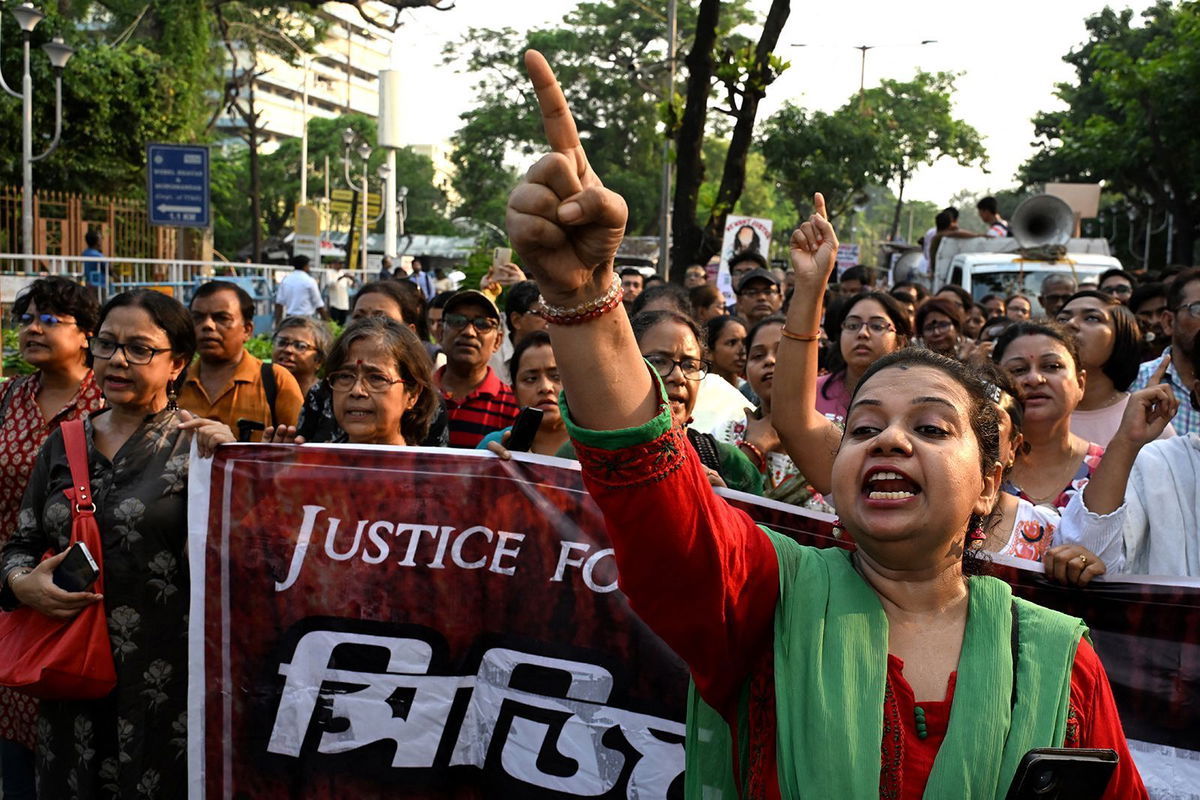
(55, 316)
(805, 651)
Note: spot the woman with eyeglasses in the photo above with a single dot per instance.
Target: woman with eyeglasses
(670, 343)
(1108, 339)
(377, 300)
(299, 346)
(138, 450)
(871, 325)
(54, 318)
(939, 326)
(381, 382)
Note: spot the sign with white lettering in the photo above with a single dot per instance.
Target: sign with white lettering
(440, 624)
(177, 183)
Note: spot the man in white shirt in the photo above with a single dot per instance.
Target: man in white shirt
(298, 294)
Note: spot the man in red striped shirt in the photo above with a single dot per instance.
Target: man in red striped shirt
(477, 401)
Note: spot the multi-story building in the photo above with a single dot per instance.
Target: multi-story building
(343, 76)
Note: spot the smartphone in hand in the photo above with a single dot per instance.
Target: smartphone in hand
(1063, 773)
(524, 429)
(78, 571)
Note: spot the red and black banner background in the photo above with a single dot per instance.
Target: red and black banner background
(442, 624)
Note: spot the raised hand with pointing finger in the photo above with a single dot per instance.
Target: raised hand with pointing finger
(567, 227)
(561, 219)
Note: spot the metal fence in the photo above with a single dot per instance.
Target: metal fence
(62, 219)
(175, 277)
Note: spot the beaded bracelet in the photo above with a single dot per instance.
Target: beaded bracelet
(576, 315)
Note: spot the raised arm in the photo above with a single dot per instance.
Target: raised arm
(809, 437)
(699, 573)
(567, 226)
(1147, 414)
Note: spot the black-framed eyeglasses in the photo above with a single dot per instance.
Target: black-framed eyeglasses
(460, 321)
(375, 382)
(936, 327)
(47, 320)
(136, 354)
(692, 368)
(875, 326)
(1191, 308)
(1117, 288)
(283, 343)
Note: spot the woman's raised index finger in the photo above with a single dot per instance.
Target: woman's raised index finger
(557, 121)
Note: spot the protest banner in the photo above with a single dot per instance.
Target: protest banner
(403, 622)
(742, 235)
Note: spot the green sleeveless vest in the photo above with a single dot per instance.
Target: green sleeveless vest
(831, 641)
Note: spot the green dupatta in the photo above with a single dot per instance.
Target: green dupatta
(831, 640)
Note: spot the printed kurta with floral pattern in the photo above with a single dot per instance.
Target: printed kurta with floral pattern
(132, 744)
(23, 431)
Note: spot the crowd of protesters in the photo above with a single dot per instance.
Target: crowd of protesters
(1091, 392)
(1096, 478)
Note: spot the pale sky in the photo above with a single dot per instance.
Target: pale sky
(1009, 54)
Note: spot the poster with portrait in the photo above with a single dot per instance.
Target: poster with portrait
(742, 235)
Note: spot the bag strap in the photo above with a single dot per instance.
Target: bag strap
(75, 442)
(270, 388)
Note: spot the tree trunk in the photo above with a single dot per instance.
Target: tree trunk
(733, 178)
(899, 207)
(687, 235)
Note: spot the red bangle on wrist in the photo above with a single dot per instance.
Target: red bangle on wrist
(757, 454)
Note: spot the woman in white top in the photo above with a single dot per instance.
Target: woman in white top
(1108, 338)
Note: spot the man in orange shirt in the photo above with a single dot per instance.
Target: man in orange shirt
(226, 382)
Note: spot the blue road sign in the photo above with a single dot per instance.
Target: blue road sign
(177, 175)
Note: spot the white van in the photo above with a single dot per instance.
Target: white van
(1006, 274)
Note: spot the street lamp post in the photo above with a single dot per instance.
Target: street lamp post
(59, 54)
(863, 48)
(385, 175)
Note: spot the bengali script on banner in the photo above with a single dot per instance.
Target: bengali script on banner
(391, 622)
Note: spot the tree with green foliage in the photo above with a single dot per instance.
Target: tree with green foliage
(916, 126)
(1130, 116)
(610, 58)
(740, 71)
(280, 178)
(838, 154)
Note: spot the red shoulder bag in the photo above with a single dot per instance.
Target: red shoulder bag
(49, 658)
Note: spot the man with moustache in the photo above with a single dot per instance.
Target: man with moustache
(477, 401)
(758, 295)
(226, 382)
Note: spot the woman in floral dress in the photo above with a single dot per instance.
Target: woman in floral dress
(54, 317)
(131, 744)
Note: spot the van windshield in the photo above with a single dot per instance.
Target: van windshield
(1028, 283)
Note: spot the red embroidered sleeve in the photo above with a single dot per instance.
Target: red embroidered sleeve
(697, 571)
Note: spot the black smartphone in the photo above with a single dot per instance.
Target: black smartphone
(78, 571)
(1061, 773)
(524, 429)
